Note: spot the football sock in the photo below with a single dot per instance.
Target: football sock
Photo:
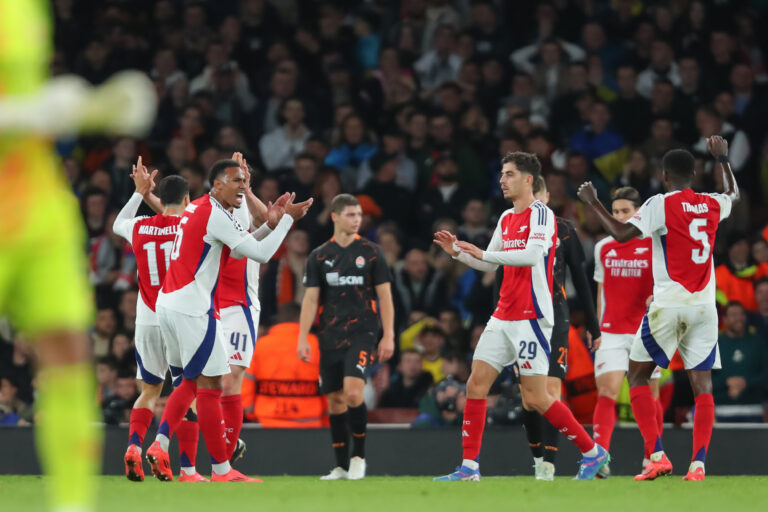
(703, 420)
(533, 425)
(232, 410)
(68, 434)
(603, 421)
(644, 409)
(175, 408)
(188, 434)
(660, 416)
(140, 421)
(562, 418)
(472, 429)
(551, 440)
(340, 439)
(358, 421)
(212, 426)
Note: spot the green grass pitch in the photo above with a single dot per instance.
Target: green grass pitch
(402, 494)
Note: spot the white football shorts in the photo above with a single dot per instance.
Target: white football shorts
(526, 342)
(239, 325)
(690, 329)
(193, 343)
(150, 354)
(613, 354)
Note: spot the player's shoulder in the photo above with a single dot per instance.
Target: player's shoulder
(321, 250)
(603, 243)
(369, 245)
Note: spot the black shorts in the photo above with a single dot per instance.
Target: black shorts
(558, 356)
(352, 361)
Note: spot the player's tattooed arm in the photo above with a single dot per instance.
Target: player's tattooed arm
(621, 231)
(719, 149)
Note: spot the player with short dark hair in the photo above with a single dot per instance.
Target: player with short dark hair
(344, 279)
(206, 237)
(520, 329)
(152, 241)
(624, 286)
(683, 316)
(542, 436)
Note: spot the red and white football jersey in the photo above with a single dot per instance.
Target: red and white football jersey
(152, 242)
(239, 279)
(682, 225)
(526, 292)
(625, 269)
(206, 234)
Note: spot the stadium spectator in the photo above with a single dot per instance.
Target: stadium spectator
(604, 149)
(443, 407)
(736, 276)
(740, 387)
(408, 384)
(280, 147)
(662, 65)
(102, 331)
(418, 287)
(759, 320)
(431, 340)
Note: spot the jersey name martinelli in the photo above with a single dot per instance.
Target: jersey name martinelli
(682, 225)
(526, 292)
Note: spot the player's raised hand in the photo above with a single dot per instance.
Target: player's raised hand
(386, 348)
(276, 210)
(143, 181)
(445, 241)
(304, 350)
(297, 210)
(470, 249)
(587, 193)
(717, 145)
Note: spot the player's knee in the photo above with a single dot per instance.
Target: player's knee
(477, 387)
(353, 397)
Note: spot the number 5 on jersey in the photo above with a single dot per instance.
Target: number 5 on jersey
(695, 228)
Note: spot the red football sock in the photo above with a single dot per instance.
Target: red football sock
(472, 430)
(703, 420)
(563, 420)
(176, 407)
(232, 410)
(212, 424)
(644, 409)
(141, 419)
(603, 421)
(188, 434)
(660, 416)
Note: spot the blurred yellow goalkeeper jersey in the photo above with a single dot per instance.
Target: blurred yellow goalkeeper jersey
(43, 283)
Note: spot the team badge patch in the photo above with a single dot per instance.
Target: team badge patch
(360, 262)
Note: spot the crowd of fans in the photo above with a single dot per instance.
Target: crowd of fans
(410, 105)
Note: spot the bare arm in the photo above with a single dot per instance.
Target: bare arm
(308, 313)
(620, 231)
(600, 303)
(387, 343)
(719, 149)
